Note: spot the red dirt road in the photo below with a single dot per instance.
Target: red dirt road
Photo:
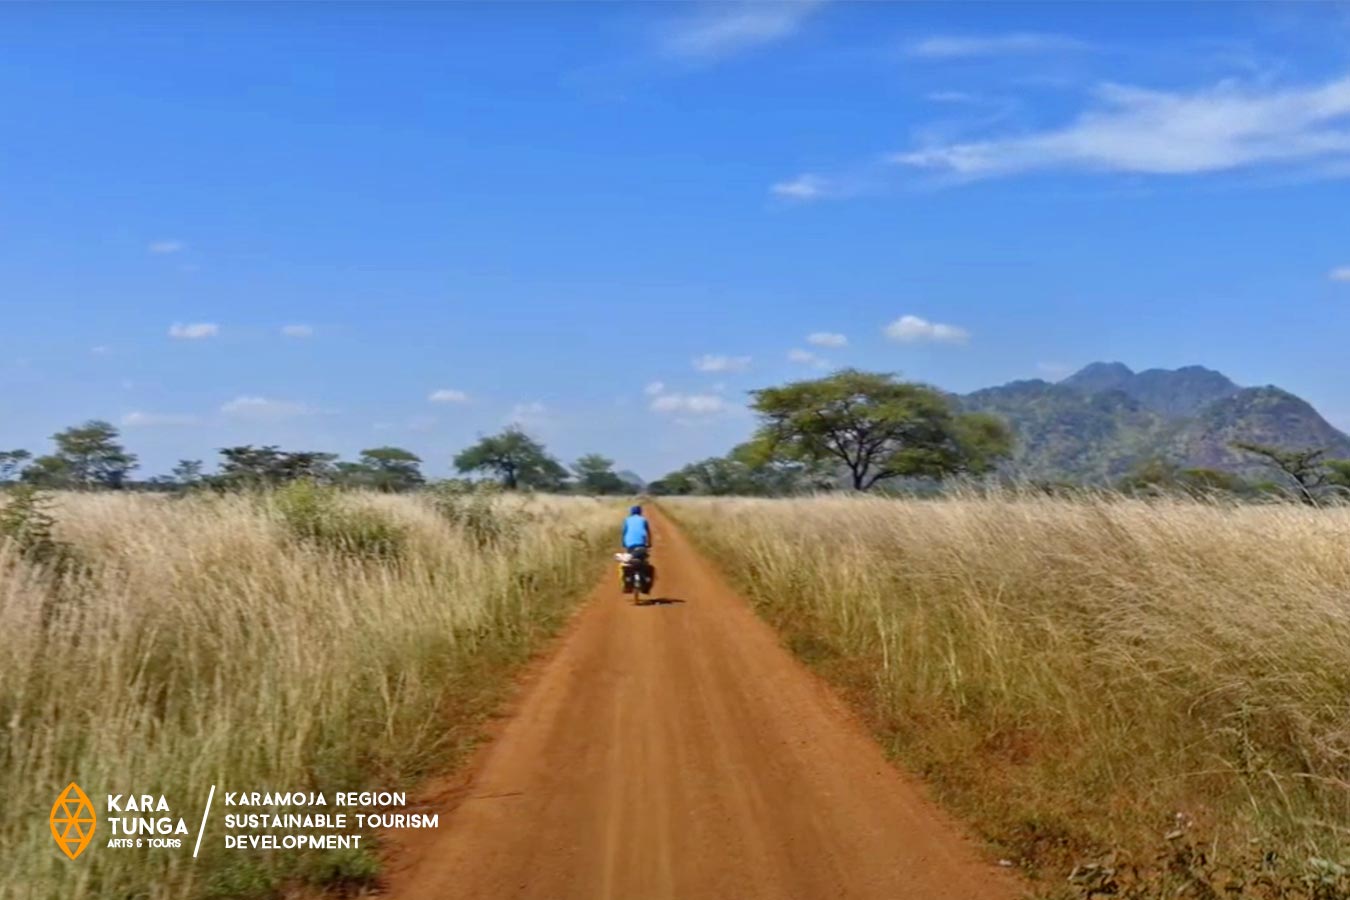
(676, 750)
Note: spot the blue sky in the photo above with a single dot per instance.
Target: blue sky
(339, 226)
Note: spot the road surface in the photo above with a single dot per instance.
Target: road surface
(676, 750)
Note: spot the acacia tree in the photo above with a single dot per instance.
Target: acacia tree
(187, 472)
(1305, 468)
(596, 475)
(86, 456)
(391, 469)
(248, 466)
(514, 457)
(877, 427)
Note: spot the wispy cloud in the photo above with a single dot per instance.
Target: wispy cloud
(827, 339)
(914, 330)
(1053, 370)
(297, 331)
(727, 28)
(712, 362)
(973, 45)
(140, 419)
(1340, 273)
(166, 246)
(803, 187)
(689, 404)
(654, 388)
(194, 331)
(447, 395)
(246, 407)
(1228, 126)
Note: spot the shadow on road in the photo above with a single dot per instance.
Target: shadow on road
(659, 601)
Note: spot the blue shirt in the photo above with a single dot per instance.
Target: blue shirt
(635, 531)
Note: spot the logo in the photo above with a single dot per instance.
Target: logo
(72, 821)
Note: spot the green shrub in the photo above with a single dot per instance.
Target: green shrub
(473, 509)
(27, 520)
(316, 515)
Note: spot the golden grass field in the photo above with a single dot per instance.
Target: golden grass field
(1156, 693)
(303, 639)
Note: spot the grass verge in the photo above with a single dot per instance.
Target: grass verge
(297, 640)
(1127, 698)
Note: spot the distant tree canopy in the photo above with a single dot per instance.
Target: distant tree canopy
(515, 458)
(387, 469)
(87, 456)
(750, 469)
(247, 466)
(595, 475)
(11, 462)
(876, 427)
(187, 472)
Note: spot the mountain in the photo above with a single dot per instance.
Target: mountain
(1172, 393)
(1103, 421)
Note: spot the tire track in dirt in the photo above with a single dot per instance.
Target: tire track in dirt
(676, 750)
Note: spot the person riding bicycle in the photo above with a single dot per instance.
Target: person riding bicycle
(637, 543)
(636, 531)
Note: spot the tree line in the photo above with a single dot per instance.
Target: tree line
(91, 456)
(852, 429)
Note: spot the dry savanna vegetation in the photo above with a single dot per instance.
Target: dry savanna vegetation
(1128, 698)
(302, 638)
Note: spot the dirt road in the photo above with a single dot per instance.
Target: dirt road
(675, 750)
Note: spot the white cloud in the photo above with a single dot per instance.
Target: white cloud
(827, 339)
(264, 408)
(100, 350)
(194, 331)
(1225, 127)
(447, 395)
(912, 329)
(297, 331)
(654, 388)
(968, 46)
(166, 246)
(712, 362)
(1340, 273)
(1053, 370)
(151, 420)
(730, 27)
(802, 188)
(695, 404)
(806, 358)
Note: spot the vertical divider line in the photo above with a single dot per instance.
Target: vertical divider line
(205, 813)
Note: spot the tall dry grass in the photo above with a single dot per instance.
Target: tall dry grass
(1167, 682)
(302, 640)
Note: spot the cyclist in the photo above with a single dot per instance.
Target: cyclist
(637, 541)
(636, 531)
